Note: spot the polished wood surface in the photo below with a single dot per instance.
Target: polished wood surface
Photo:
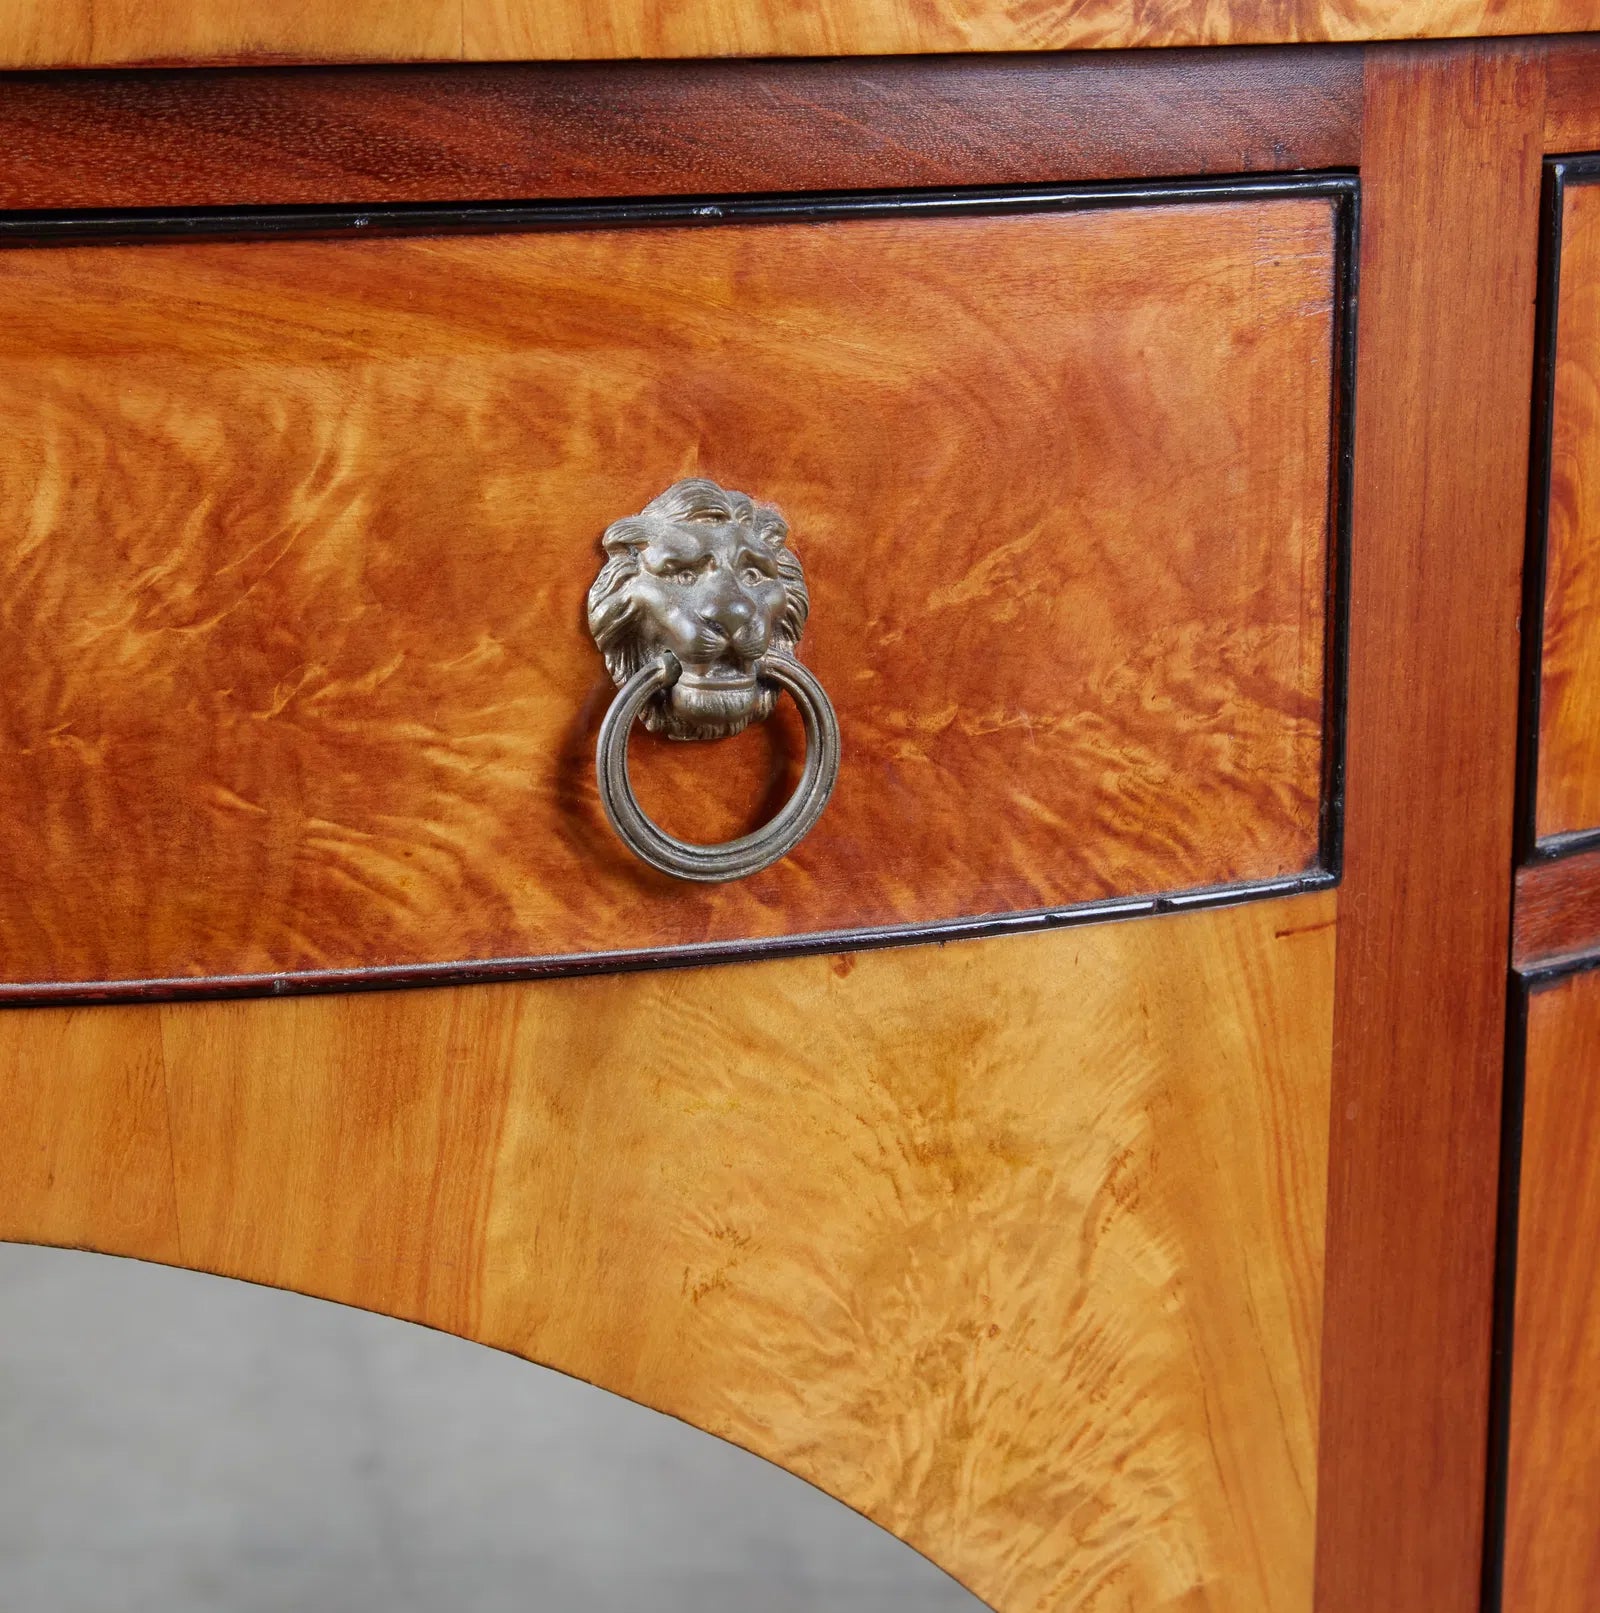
(1552, 1552)
(296, 538)
(432, 134)
(1014, 1245)
(1568, 788)
(65, 33)
(1558, 909)
(1452, 139)
(1571, 108)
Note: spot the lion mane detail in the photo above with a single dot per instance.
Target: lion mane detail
(614, 611)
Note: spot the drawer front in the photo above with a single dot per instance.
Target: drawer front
(298, 533)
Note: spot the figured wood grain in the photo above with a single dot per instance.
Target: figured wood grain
(67, 33)
(1552, 1550)
(1014, 1245)
(1568, 778)
(1452, 139)
(295, 539)
(1558, 909)
(437, 134)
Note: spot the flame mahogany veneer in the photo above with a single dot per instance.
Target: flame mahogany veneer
(295, 537)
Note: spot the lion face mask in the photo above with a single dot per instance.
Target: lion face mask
(704, 575)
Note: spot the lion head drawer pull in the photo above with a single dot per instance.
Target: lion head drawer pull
(697, 611)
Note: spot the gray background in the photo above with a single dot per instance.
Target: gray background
(171, 1443)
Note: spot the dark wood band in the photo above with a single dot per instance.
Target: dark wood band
(274, 136)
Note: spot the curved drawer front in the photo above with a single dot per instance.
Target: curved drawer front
(297, 534)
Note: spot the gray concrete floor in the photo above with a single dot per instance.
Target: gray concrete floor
(171, 1443)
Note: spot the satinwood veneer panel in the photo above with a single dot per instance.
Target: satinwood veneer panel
(295, 538)
(1568, 776)
(1015, 1245)
(63, 33)
(1552, 1549)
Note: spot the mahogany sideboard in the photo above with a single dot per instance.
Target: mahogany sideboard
(1070, 1019)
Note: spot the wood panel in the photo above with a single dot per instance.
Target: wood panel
(1572, 110)
(297, 537)
(262, 136)
(64, 33)
(1558, 909)
(1552, 1550)
(1014, 1245)
(1568, 778)
(1436, 553)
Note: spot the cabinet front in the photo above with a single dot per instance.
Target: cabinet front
(836, 704)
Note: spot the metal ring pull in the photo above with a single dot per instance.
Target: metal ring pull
(733, 859)
(698, 610)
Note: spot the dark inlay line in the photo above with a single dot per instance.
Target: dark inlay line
(465, 972)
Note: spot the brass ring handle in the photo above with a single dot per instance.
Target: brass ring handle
(732, 859)
(698, 611)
